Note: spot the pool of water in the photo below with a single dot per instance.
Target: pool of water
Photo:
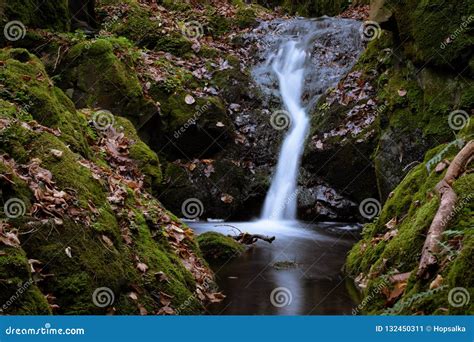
(311, 283)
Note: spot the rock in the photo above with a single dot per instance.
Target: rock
(217, 247)
(99, 79)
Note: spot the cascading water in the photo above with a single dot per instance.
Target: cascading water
(307, 56)
(288, 64)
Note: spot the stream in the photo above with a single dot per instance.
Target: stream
(300, 272)
(312, 285)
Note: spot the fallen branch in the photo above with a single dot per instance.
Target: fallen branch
(246, 238)
(448, 198)
(250, 239)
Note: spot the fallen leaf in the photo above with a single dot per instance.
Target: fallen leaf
(161, 276)
(68, 251)
(226, 198)
(143, 311)
(189, 100)
(392, 223)
(166, 311)
(436, 282)
(142, 267)
(402, 92)
(56, 153)
(390, 234)
(107, 241)
(440, 167)
(400, 277)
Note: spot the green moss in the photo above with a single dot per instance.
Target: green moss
(146, 159)
(98, 78)
(159, 258)
(52, 14)
(246, 17)
(446, 46)
(218, 247)
(27, 84)
(19, 293)
(414, 205)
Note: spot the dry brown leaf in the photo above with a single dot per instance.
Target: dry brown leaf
(107, 241)
(226, 198)
(436, 282)
(402, 92)
(142, 267)
(392, 223)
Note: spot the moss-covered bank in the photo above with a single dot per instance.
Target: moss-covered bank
(89, 220)
(385, 261)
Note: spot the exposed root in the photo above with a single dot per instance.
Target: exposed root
(431, 247)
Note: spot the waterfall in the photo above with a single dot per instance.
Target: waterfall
(299, 60)
(288, 65)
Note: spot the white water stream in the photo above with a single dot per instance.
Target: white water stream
(300, 60)
(288, 64)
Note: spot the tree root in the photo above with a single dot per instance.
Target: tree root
(445, 213)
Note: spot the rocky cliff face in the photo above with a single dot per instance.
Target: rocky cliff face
(394, 105)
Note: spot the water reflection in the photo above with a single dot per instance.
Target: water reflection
(316, 285)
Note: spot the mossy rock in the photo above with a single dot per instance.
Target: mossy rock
(145, 29)
(217, 247)
(226, 178)
(197, 130)
(19, 293)
(96, 77)
(146, 159)
(52, 14)
(27, 84)
(450, 45)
